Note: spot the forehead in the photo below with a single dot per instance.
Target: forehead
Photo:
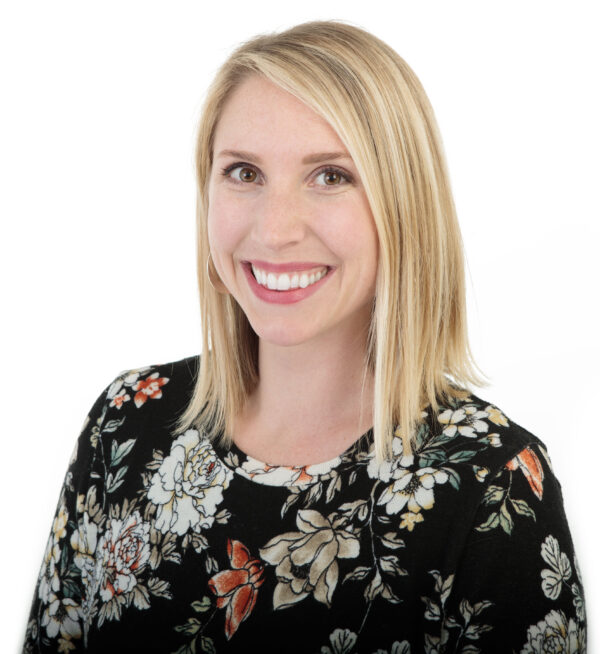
(261, 115)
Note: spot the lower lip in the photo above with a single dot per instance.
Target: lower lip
(282, 297)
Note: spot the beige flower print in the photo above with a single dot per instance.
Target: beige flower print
(496, 416)
(306, 560)
(410, 519)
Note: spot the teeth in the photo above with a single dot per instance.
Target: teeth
(287, 281)
(283, 283)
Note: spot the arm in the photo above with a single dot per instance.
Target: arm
(57, 618)
(517, 587)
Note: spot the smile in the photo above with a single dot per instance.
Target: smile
(288, 280)
(285, 284)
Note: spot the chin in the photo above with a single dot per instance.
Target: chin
(282, 334)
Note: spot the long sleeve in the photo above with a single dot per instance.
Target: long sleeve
(517, 587)
(57, 618)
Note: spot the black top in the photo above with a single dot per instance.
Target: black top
(168, 543)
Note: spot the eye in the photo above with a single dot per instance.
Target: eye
(240, 173)
(333, 177)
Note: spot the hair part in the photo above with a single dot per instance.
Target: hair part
(378, 108)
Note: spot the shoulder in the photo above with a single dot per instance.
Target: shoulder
(136, 414)
(143, 400)
(479, 431)
(463, 449)
(171, 382)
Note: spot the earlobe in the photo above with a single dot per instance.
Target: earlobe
(213, 277)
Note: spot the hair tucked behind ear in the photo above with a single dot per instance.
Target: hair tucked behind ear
(418, 347)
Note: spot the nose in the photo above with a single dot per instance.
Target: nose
(279, 221)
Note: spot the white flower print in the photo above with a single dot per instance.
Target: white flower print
(552, 635)
(494, 440)
(126, 378)
(123, 550)
(552, 579)
(397, 648)
(578, 602)
(117, 392)
(83, 543)
(301, 476)
(466, 421)
(412, 489)
(130, 379)
(62, 615)
(49, 579)
(188, 486)
(342, 641)
(389, 469)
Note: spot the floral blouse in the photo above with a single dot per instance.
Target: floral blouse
(172, 544)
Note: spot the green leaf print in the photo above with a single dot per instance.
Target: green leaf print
(119, 452)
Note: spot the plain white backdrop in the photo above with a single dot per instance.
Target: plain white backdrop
(97, 118)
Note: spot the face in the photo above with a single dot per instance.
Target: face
(290, 229)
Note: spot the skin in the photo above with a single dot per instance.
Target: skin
(312, 400)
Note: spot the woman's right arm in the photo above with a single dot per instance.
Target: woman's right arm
(57, 621)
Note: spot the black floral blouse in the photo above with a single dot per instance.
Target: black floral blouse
(171, 544)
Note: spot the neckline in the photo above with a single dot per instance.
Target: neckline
(261, 472)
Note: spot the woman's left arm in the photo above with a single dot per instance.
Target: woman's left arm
(517, 587)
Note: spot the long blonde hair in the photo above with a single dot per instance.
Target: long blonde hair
(418, 348)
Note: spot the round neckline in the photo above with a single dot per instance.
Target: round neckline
(261, 472)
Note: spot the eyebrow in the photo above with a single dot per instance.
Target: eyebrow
(316, 157)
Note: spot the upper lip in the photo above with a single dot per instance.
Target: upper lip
(293, 266)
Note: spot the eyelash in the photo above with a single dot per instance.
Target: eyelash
(226, 172)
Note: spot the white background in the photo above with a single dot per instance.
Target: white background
(98, 110)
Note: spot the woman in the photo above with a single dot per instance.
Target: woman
(321, 479)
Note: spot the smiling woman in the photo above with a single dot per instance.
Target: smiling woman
(324, 463)
(294, 242)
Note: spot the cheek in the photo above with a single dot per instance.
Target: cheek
(352, 235)
(224, 230)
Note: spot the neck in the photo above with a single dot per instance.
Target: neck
(312, 401)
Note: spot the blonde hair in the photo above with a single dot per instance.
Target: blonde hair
(418, 349)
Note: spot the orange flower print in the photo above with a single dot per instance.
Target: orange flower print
(237, 589)
(531, 467)
(120, 399)
(149, 388)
